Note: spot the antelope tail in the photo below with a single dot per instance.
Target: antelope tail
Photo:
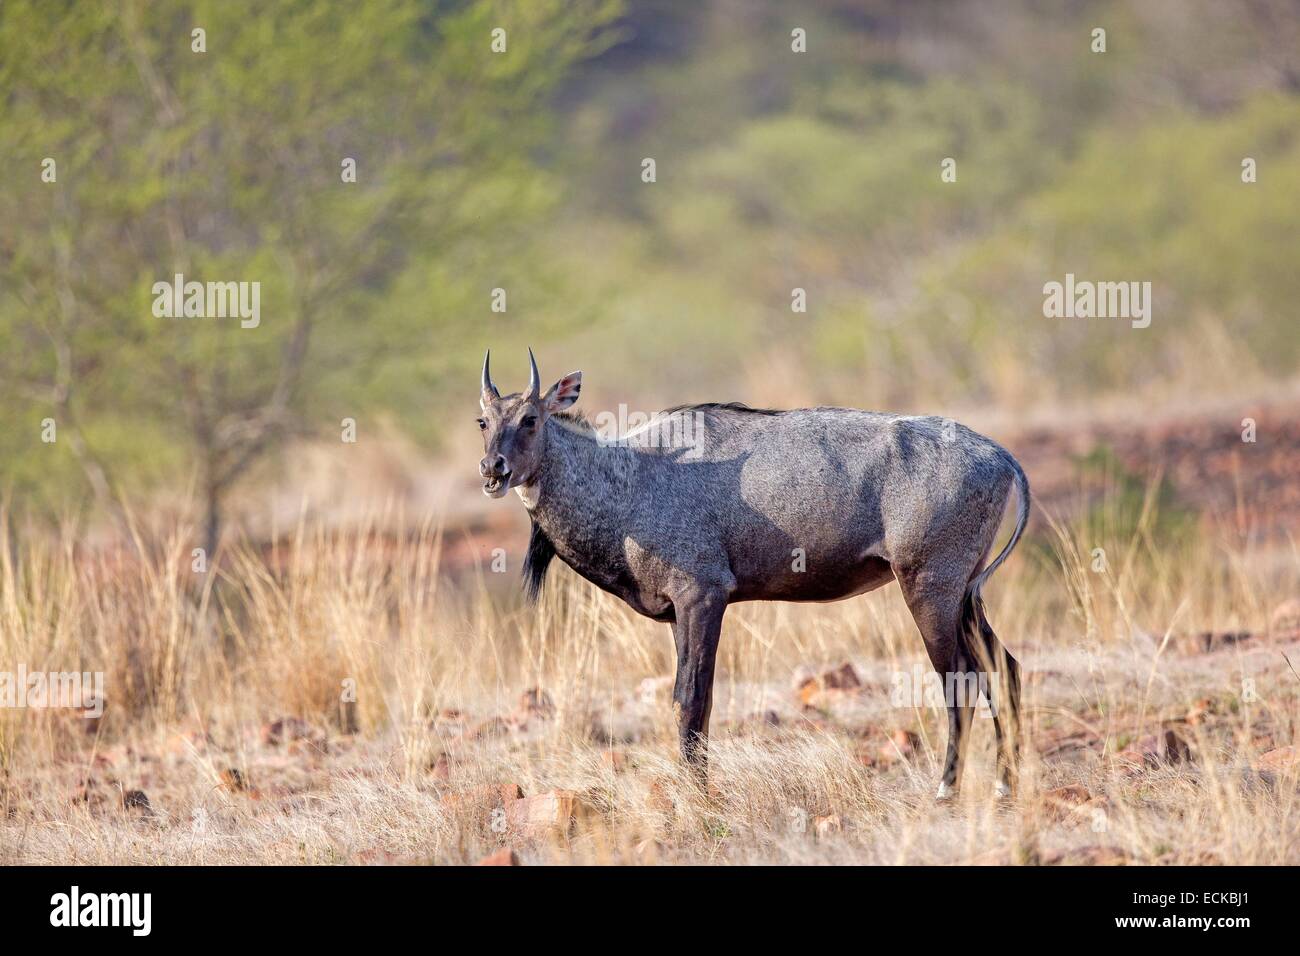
(1022, 519)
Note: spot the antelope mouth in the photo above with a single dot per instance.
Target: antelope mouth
(497, 485)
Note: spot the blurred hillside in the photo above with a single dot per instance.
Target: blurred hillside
(775, 170)
(821, 171)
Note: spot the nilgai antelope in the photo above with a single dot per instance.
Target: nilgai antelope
(815, 504)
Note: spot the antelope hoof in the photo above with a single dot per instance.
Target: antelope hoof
(1002, 790)
(946, 792)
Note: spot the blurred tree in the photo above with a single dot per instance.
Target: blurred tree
(215, 140)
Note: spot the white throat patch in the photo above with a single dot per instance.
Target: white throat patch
(529, 494)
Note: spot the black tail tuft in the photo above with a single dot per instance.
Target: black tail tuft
(536, 561)
(978, 640)
(987, 655)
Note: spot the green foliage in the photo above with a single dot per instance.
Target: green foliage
(822, 171)
(226, 165)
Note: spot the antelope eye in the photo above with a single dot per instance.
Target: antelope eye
(482, 424)
(530, 421)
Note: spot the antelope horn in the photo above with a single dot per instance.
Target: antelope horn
(534, 380)
(488, 387)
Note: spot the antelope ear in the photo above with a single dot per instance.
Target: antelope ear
(563, 393)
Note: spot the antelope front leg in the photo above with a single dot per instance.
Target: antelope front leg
(696, 633)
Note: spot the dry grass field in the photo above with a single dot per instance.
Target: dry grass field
(1161, 710)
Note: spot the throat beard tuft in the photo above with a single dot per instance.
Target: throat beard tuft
(536, 561)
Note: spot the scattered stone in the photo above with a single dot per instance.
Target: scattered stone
(1073, 795)
(1200, 712)
(496, 795)
(1280, 760)
(801, 676)
(1189, 858)
(1130, 761)
(614, 760)
(812, 690)
(505, 791)
(827, 826)
(1073, 804)
(555, 810)
(658, 798)
(284, 730)
(137, 800)
(1018, 853)
(1204, 642)
(1068, 746)
(440, 768)
(1154, 750)
(1173, 748)
(89, 793)
(536, 702)
(898, 746)
(233, 780)
(902, 745)
(1086, 856)
(809, 692)
(502, 857)
(846, 678)
(1088, 812)
(110, 757)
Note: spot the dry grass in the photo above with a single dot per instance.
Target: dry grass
(197, 664)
